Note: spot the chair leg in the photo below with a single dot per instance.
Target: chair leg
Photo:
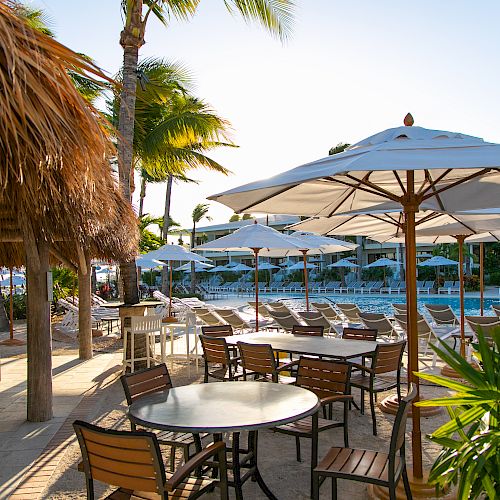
(372, 407)
(297, 448)
(172, 458)
(392, 491)
(362, 402)
(334, 488)
(315, 486)
(90, 488)
(406, 483)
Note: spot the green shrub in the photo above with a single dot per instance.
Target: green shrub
(19, 306)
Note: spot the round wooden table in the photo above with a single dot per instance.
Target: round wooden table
(227, 407)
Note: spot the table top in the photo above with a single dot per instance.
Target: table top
(304, 344)
(224, 407)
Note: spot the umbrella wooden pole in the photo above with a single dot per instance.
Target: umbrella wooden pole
(11, 308)
(481, 276)
(410, 207)
(460, 241)
(306, 278)
(256, 253)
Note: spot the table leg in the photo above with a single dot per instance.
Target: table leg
(253, 442)
(236, 466)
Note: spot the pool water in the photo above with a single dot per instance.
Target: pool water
(382, 304)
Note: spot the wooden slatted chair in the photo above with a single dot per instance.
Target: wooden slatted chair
(132, 461)
(217, 331)
(367, 466)
(387, 359)
(368, 334)
(312, 331)
(216, 351)
(329, 380)
(258, 360)
(150, 381)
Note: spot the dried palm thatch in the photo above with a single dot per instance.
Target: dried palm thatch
(55, 178)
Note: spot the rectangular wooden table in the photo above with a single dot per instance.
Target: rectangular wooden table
(304, 344)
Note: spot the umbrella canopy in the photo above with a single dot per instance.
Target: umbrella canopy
(146, 263)
(241, 267)
(218, 269)
(175, 253)
(424, 256)
(383, 262)
(408, 167)
(266, 266)
(438, 260)
(199, 267)
(343, 263)
(299, 265)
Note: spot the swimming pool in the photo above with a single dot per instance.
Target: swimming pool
(382, 304)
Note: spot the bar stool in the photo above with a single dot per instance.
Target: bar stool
(148, 326)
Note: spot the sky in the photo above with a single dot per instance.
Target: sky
(348, 70)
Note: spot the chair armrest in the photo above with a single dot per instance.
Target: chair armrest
(362, 368)
(287, 366)
(334, 399)
(182, 472)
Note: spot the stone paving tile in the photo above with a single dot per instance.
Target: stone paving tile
(32, 450)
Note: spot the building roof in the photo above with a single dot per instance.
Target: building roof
(271, 220)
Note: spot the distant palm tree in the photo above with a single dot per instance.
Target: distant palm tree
(274, 15)
(200, 211)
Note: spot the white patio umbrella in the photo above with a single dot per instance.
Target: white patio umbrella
(199, 267)
(170, 254)
(256, 238)
(343, 263)
(267, 266)
(412, 168)
(438, 260)
(316, 244)
(143, 262)
(383, 262)
(241, 268)
(218, 269)
(299, 265)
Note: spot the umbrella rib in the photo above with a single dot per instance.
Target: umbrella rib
(378, 189)
(341, 224)
(456, 183)
(432, 183)
(463, 224)
(381, 219)
(344, 198)
(400, 182)
(433, 215)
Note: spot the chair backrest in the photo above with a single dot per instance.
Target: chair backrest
(442, 314)
(130, 460)
(398, 431)
(284, 319)
(388, 357)
(146, 324)
(144, 382)
(277, 306)
(217, 331)
(232, 318)
(351, 311)
(423, 328)
(400, 308)
(448, 284)
(496, 309)
(377, 322)
(215, 350)
(258, 358)
(315, 318)
(326, 309)
(485, 323)
(360, 334)
(324, 377)
(262, 309)
(311, 331)
(207, 316)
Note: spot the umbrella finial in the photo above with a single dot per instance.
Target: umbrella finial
(408, 121)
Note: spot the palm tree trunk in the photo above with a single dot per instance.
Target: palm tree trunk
(193, 274)
(166, 214)
(142, 196)
(131, 39)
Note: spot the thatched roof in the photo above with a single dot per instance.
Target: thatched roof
(54, 148)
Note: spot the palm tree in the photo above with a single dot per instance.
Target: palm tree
(200, 211)
(274, 15)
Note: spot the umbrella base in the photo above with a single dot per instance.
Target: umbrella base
(420, 488)
(169, 319)
(390, 405)
(12, 342)
(448, 371)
